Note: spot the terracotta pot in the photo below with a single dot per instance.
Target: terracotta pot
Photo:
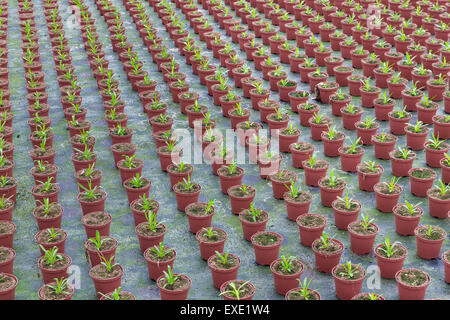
(103, 227)
(426, 248)
(48, 275)
(198, 222)
(313, 175)
(434, 156)
(184, 199)
(298, 156)
(106, 285)
(156, 268)
(382, 149)
(328, 195)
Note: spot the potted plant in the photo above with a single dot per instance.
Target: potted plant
(57, 290)
(348, 279)
(199, 215)
(150, 232)
(286, 272)
(300, 151)
(351, 155)
(210, 240)
(435, 150)
(224, 267)
(303, 292)
(446, 259)
(387, 194)
(445, 169)
(341, 73)
(311, 227)
(327, 253)
(412, 284)
(362, 235)
(269, 163)
(441, 124)
(186, 193)
(369, 174)
(390, 257)
(237, 290)
(332, 141)
(416, 135)
(421, 179)
(338, 101)
(318, 123)
(96, 221)
(401, 161)
(266, 245)
(439, 200)
(54, 265)
(436, 87)
(315, 169)
(159, 258)
(368, 94)
(345, 210)
(398, 120)
(100, 246)
(306, 111)
(173, 286)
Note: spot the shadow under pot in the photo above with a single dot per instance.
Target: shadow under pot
(390, 262)
(210, 240)
(223, 271)
(266, 245)
(159, 260)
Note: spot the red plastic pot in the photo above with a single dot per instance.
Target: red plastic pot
(401, 167)
(49, 275)
(197, 222)
(249, 228)
(407, 292)
(382, 149)
(295, 209)
(405, 225)
(94, 255)
(264, 255)
(9, 293)
(103, 228)
(349, 162)
(434, 156)
(343, 218)
(7, 265)
(416, 141)
(367, 181)
(207, 249)
(282, 282)
(347, 288)
(326, 262)
(156, 268)
(240, 203)
(309, 234)
(106, 285)
(386, 202)
(313, 175)
(220, 276)
(389, 266)
(359, 243)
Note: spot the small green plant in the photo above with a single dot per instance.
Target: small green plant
(366, 221)
(349, 271)
(235, 291)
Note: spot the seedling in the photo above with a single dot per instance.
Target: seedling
(366, 221)
(235, 291)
